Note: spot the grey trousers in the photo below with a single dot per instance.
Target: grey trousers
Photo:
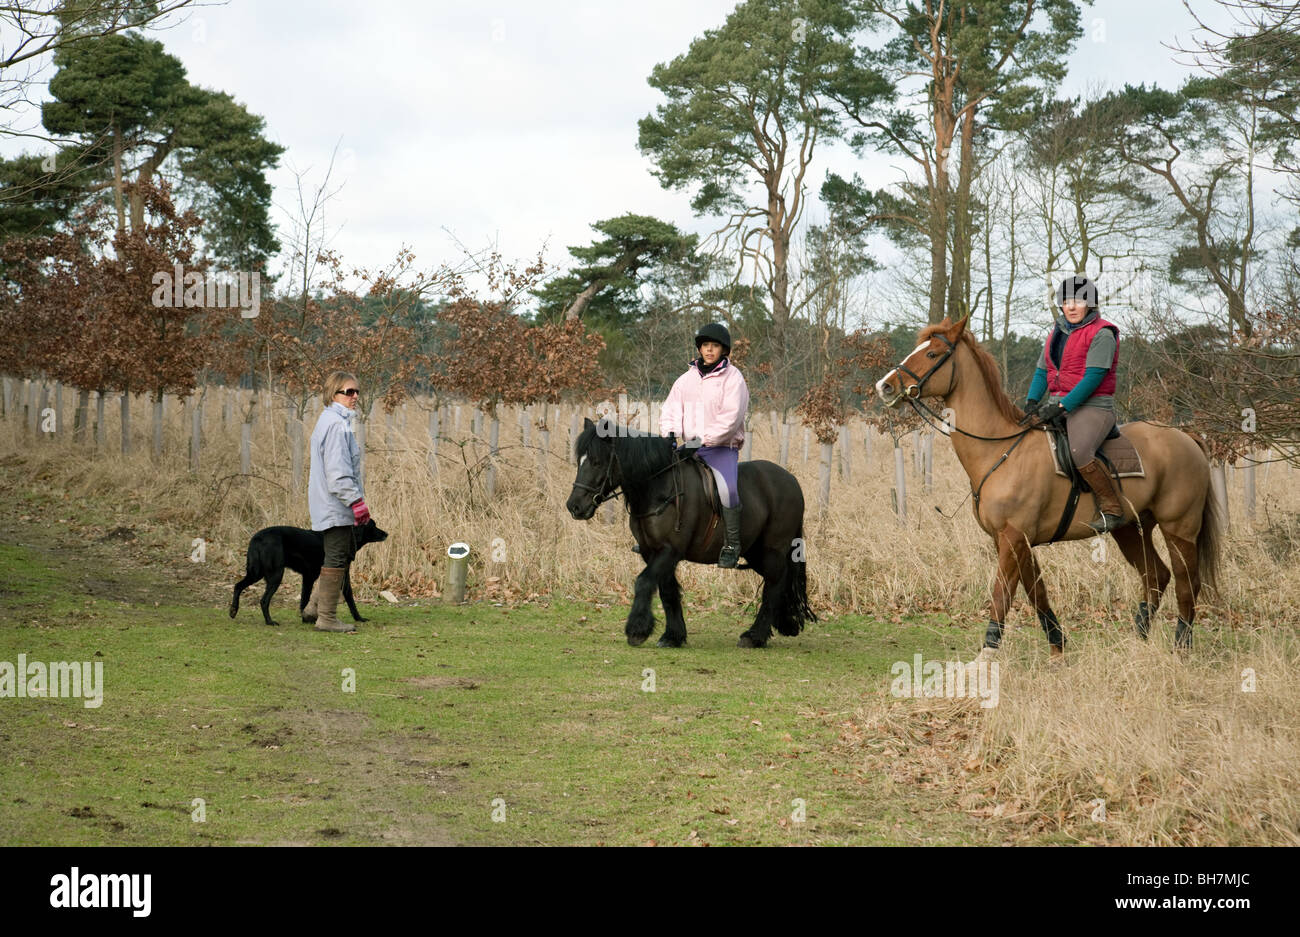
(1087, 428)
(340, 546)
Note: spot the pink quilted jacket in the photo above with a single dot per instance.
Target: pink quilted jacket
(710, 406)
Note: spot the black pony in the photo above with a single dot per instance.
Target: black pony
(672, 520)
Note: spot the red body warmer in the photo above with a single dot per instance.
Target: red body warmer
(1074, 360)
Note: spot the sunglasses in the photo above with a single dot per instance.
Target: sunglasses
(350, 392)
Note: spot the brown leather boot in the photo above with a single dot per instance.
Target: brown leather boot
(330, 584)
(1111, 512)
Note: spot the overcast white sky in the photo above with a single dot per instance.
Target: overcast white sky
(513, 122)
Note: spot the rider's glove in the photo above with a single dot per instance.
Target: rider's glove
(1051, 412)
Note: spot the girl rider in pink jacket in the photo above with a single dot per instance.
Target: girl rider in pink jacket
(706, 410)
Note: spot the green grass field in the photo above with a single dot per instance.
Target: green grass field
(522, 723)
(479, 724)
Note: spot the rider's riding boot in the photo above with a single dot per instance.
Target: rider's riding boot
(1103, 490)
(731, 547)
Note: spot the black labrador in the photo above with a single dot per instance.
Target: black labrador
(274, 549)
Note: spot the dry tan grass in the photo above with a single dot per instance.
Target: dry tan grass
(1126, 744)
(860, 557)
(1177, 750)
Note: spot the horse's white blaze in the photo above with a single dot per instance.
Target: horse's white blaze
(880, 384)
(914, 351)
(582, 460)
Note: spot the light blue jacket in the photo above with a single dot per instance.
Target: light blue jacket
(335, 481)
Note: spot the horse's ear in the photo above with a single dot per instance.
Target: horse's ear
(961, 327)
(586, 423)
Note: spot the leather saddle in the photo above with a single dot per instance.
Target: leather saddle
(1117, 453)
(711, 496)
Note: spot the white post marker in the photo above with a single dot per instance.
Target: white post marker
(457, 567)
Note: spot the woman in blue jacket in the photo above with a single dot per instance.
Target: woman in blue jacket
(334, 494)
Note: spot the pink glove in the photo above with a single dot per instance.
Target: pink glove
(360, 511)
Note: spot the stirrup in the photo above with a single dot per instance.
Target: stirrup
(1105, 523)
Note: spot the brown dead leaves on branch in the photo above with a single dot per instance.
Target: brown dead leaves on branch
(495, 357)
(1240, 393)
(82, 314)
(846, 385)
(822, 409)
(369, 322)
(400, 329)
(80, 307)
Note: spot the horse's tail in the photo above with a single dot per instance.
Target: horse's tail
(1209, 543)
(793, 610)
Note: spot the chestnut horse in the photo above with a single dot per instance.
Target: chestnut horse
(1019, 498)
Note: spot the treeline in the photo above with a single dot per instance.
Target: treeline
(1181, 203)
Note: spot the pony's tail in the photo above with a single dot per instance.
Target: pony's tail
(793, 610)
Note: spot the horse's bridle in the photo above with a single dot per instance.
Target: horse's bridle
(913, 391)
(599, 496)
(912, 395)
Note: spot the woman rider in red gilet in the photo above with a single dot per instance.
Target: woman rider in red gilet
(1077, 370)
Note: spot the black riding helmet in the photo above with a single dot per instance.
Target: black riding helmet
(714, 332)
(1077, 287)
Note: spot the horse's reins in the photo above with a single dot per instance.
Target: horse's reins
(599, 495)
(912, 394)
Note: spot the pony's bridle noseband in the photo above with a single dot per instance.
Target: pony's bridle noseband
(599, 495)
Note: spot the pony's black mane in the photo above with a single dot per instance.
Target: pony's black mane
(640, 454)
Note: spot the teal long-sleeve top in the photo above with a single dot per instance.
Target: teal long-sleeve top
(1087, 386)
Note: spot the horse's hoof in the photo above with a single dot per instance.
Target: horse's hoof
(1057, 654)
(747, 640)
(666, 641)
(234, 610)
(309, 619)
(636, 640)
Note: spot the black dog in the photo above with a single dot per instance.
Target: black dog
(275, 548)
